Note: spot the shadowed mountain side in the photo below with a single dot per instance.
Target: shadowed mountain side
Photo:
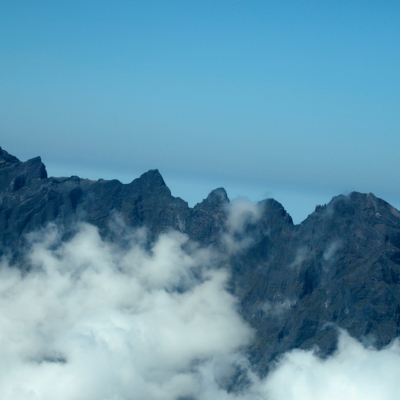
(295, 283)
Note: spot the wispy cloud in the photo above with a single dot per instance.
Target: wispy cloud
(241, 213)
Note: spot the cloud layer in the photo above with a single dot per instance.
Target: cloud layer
(92, 320)
(352, 373)
(95, 320)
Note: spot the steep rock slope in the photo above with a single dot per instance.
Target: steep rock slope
(339, 268)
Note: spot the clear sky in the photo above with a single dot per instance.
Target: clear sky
(296, 100)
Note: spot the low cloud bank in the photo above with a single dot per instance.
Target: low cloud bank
(94, 320)
(352, 373)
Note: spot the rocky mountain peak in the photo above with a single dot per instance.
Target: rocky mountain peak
(6, 159)
(151, 182)
(215, 200)
(16, 174)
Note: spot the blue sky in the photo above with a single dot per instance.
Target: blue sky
(296, 100)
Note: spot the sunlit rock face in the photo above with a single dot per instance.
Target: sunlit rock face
(294, 284)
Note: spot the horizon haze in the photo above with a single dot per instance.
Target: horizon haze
(292, 100)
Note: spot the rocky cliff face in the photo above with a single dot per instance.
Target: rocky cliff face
(296, 283)
(339, 268)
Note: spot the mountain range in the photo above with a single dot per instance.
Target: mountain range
(295, 284)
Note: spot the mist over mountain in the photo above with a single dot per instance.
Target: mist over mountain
(123, 291)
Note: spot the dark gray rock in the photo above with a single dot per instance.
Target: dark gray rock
(339, 268)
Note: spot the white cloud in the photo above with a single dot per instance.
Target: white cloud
(277, 308)
(331, 250)
(94, 321)
(352, 373)
(300, 257)
(99, 321)
(241, 214)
